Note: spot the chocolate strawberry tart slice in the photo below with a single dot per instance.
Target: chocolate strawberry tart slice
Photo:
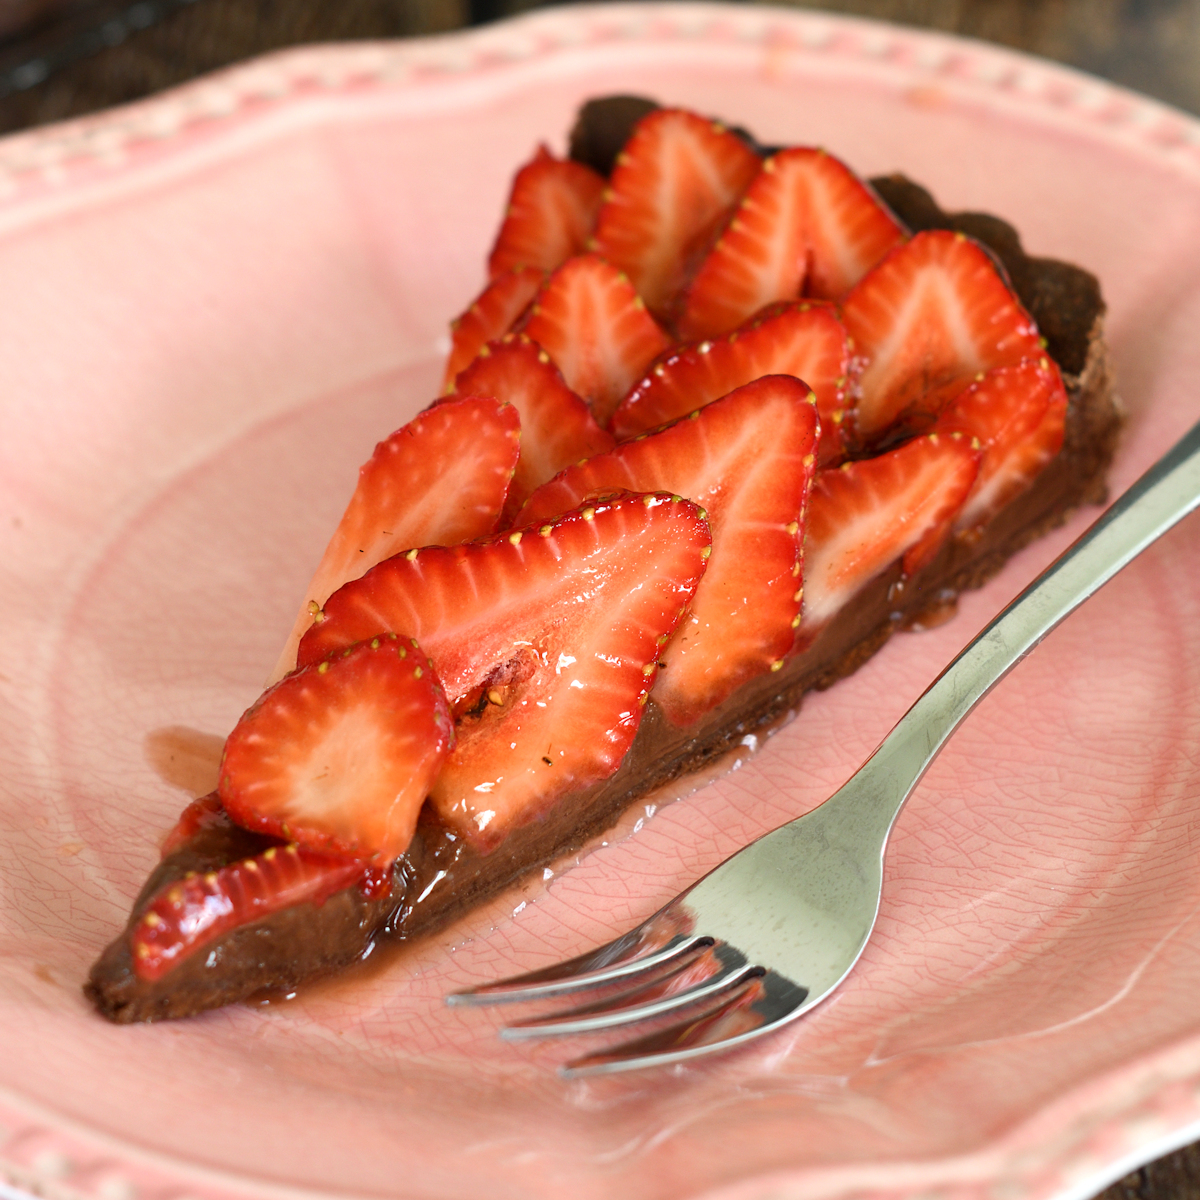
(721, 420)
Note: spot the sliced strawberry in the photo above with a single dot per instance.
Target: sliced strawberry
(594, 325)
(201, 908)
(866, 515)
(550, 216)
(203, 813)
(802, 339)
(557, 427)
(748, 461)
(441, 479)
(1017, 416)
(547, 641)
(490, 316)
(928, 319)
(340, 756)
(673, 187)
(807, 226)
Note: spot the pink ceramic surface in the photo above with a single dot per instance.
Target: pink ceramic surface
(214, 303)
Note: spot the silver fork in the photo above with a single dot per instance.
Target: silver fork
(775, 929)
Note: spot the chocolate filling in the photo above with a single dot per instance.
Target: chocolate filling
(440, 876)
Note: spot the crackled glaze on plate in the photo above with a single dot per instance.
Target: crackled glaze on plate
(217, 301)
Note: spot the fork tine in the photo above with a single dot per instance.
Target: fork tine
(755, 1008)
(712, 974)
(655, 943)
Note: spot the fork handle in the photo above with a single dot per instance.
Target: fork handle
(1164, 495)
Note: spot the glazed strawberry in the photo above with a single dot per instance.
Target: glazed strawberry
(866, 515)
(595, 327)
(550, 215)
(748, 461)
(441, 479)
(807, 226)
(802, 339)
(490, 316)
(928, 319)
(557, 427)
(198, 910)
(340, 755)
(546, 640)
(1017, 416)
(205, 812)
(673, 188)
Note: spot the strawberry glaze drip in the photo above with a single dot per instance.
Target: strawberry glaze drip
(196, 910)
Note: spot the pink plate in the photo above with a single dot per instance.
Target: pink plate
(217, 301)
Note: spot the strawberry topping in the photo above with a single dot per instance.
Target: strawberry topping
(928, 319)
(339, 756)
(557, 427)
(866, 515)
(203, 813)
(441, 479)
(673, 188)
(490, 316)
(547, 641)
(595, 327)
(1017, 416)
(806, 226)
(802, 339)
(551, 212)
(201, 908)
(748, 460)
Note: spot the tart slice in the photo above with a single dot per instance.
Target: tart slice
(963, 406)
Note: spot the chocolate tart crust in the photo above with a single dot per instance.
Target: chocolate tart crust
(441, 876)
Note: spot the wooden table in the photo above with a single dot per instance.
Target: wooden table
(59, 58)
